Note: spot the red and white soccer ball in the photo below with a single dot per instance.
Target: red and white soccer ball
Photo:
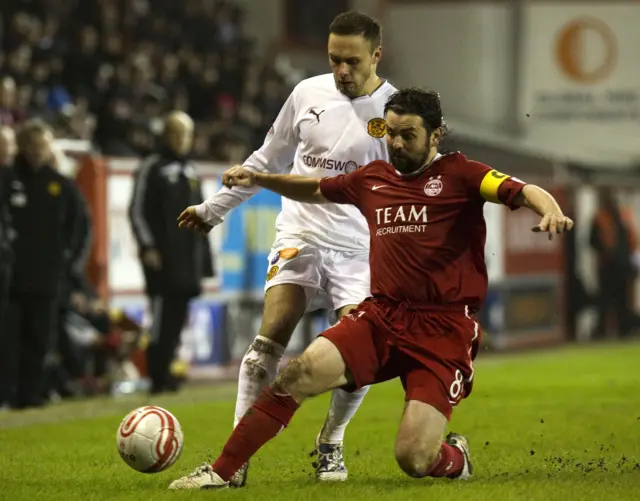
(150, 439)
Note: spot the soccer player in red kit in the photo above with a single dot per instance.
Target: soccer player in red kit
(428, 278)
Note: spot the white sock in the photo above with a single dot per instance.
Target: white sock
(343, 407)
(259, 368)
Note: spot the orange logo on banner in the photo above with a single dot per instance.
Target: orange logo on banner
(571, 50)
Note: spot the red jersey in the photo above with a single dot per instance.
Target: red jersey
(427, 230)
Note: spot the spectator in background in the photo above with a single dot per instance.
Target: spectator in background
(85, 327)
(7, 152)
(10, 115)
(174, 262)
(76, 295)
(105, 342)
(44, 213)
(614, 240)
(7, 148)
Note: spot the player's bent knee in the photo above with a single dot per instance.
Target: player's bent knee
(419, 438)
(297, 379)
(416, 459)
(283, 308)
(320, 368)
(279, 325)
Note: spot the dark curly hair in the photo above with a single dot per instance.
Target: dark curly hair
(415, 101)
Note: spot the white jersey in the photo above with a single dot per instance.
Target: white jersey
(322, 133)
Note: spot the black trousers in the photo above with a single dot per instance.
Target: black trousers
(169, 313)
(27, 352)
(613, 303)
(5, 278)
(70, 361)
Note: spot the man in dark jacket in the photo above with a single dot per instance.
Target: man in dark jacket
(73, 297)
(174, 262)
(7, 152)
(614, 240)
(44, 213)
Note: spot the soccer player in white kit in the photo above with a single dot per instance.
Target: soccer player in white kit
(330, 125)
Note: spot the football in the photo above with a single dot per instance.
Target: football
(149, 439)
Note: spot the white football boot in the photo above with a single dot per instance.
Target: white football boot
(203, 477)
(462, 444)
(330, 465)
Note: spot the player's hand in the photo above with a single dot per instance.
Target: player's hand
(191, 221)
(152, 259)
(553, 224)
(239, 176)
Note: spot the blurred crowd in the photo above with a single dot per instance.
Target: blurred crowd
(105, 70)
(108, 72)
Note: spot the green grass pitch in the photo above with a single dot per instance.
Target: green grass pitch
(557, 425)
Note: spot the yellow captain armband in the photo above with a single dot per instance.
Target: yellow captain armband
(490, 184)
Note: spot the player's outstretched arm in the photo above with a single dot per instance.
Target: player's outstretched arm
(298, 188)
(275, 155)
(542, 203)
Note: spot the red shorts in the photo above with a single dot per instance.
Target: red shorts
(432, 351)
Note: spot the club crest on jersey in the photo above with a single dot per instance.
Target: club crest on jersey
(433, 187)
(272, 272)
(54, 188)
(377, 127)
(288, 253)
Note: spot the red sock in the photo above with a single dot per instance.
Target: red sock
(449, 463)
(261, 423)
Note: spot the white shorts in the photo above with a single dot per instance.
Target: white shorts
(331, 279)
